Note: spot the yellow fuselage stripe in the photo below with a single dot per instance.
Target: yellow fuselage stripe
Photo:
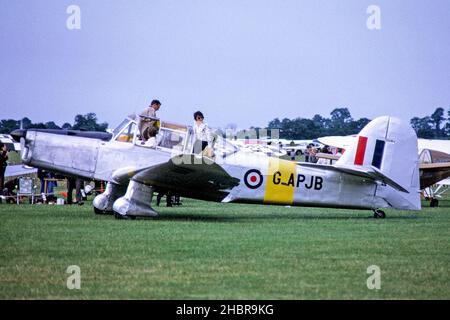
(278, 191)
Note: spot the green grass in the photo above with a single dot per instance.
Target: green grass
(14, 158)
(223, 251)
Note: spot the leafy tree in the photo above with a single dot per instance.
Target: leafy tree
(437, 118)
(88, 122)
(423, 127)
(275, 124)
(9, 125)
(66, 126)
(341, 115)
(51, 125)
(321, 121)
(286, 130)
(38, 125)
(26, 123)
(340, 121)
(358, 125)
(447, 126)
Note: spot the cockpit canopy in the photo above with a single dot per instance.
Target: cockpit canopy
(171, 137)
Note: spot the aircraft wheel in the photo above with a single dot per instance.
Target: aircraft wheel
(434, 203)
(98, 211)
(121, 217)
(379, 214)
(298, 153)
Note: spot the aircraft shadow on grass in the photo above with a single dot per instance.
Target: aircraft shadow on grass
(258, 217)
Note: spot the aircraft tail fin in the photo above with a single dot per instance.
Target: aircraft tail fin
(387, 149)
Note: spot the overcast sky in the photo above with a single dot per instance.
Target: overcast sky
(243, 62)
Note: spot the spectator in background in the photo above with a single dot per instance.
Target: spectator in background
(41, 176)
(77, 184)
(79, 191)
(325, 150)
(3, 163)
(48, 184)
(311, 153)
(51, 184)
(292, 154)
(8, 191)
(308, 152)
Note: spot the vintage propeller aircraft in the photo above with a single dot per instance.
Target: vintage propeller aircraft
(380, 170)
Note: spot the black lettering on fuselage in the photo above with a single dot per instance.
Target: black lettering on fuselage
(300, 178)
(275, 179)
(318, 183)
(309, 183)
(290, 182)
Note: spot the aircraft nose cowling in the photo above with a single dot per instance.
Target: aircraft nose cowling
(19, 133)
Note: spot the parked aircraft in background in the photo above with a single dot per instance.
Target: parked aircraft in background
(380, 170)
(299, 146)
(18, 170)
(267, 146)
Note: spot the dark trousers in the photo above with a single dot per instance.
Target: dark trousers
(76, 184)
(70, 187)
(79, 184)
(2, 178)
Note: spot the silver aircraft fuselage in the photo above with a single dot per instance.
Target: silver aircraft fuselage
(259, 178)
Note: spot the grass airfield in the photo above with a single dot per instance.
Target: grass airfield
(205, 250)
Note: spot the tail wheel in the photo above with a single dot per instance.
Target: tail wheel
(379, 214)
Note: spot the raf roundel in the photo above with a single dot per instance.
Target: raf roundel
(253, 179)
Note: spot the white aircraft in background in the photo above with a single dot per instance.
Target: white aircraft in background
(267, 146)
(9, 142)
(299, 146)
(19, 170)
(434, 156)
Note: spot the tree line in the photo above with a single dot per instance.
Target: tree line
(341, 123)
(87, 122)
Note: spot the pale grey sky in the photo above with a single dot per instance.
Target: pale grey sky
(243, 62)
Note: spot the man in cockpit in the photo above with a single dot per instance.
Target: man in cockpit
(147, 125)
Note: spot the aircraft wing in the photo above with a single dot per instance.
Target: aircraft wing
(18, 170)
(343, 142)
(445, 182)
(435, 166)
(187, 175)
(431, 173)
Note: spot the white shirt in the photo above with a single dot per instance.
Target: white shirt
(202, 132)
